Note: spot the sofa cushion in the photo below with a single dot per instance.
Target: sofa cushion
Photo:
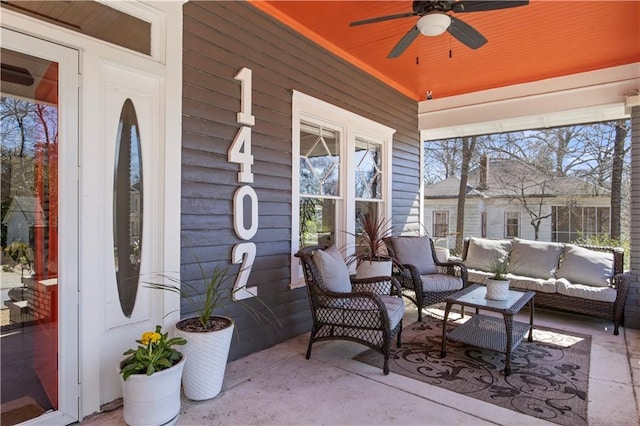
(415, 251)
(583, 266)
(333, 269)
(476, 276)
(536, 284)
(535, 259)
(590, 292)
(482, 253)
(440, 282)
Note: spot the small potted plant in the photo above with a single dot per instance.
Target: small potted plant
(209, 334)
(150, 377)
(371, 255)
(498, 282)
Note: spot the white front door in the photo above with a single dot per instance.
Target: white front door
(39, 330)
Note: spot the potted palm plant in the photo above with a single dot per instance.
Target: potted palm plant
(498, 282)
(209, 334)
(371, 255)
(150, 378)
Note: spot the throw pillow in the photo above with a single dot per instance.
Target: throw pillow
(482, 253)
(415, 251)
(583, 266)
(334, 272)
(535, 259)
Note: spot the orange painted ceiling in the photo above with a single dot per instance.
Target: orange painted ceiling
(544, 39)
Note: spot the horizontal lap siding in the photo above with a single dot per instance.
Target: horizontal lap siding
(220, 38)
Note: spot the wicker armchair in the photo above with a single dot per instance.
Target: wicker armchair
(423, 278)
(371, 314)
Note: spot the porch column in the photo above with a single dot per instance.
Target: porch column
(632, 308)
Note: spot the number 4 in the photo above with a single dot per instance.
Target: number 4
(240, 153)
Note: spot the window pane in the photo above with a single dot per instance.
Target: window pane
(589, 220)
(29, 118)
(575, 224)
(319, 160)
(127, 207)
(440, 224)
(363, 208)
(512, 224)
(483, 224)
(603, 220)
(368, 167)
(317, 221)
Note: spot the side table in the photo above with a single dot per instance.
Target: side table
(489, 332)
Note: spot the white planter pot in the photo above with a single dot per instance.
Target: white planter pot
(497, 289)
(374, 268)
(442, 254)
(207, 355)
(152, 400)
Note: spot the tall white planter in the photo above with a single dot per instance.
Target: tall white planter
(152, 400)
(207, 355)
(374, 268)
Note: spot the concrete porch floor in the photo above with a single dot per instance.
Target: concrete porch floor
(278, 386)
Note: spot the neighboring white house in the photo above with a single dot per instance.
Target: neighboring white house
(502, 196)
(23, 215)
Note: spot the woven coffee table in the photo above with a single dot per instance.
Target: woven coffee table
(490, 332)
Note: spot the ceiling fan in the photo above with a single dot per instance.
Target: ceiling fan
(434, 20)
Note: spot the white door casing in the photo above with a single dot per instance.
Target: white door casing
(68, 172)
(108, 75)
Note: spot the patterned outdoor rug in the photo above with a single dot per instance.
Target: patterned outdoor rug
(549, 376)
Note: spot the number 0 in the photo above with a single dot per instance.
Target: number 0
(243, 232)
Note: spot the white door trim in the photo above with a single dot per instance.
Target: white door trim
(68, 174)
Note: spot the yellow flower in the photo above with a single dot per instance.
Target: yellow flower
(150, 337)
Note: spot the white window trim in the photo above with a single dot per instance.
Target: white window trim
(353, 125)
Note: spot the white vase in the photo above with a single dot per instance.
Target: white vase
(497, 289)
(374, 268)
(152, 400)
(207, 354)
(442, 254)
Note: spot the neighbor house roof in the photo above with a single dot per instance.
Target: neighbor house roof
(29, 207)
(506, 176)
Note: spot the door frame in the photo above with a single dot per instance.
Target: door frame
(68, 174)
(93, 351)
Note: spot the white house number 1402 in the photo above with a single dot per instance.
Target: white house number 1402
(245, 224)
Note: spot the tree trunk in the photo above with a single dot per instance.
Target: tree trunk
(616, 178)
(468, 147)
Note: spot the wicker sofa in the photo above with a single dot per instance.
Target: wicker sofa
(587, 280)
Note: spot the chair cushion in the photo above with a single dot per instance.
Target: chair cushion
(583, 266)
(482, 253)
(415, 251)
(440, 282)
(535, 259)
(334, 272)
(395, 309)
(364, 313)
(590, 292)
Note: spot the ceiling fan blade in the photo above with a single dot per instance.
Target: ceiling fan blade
(404, 42)
(465, 33)
(483, 5)
(382, 18)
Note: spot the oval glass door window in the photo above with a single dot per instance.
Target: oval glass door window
(127, 208)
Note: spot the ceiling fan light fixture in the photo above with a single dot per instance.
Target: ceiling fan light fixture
(434, 24)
